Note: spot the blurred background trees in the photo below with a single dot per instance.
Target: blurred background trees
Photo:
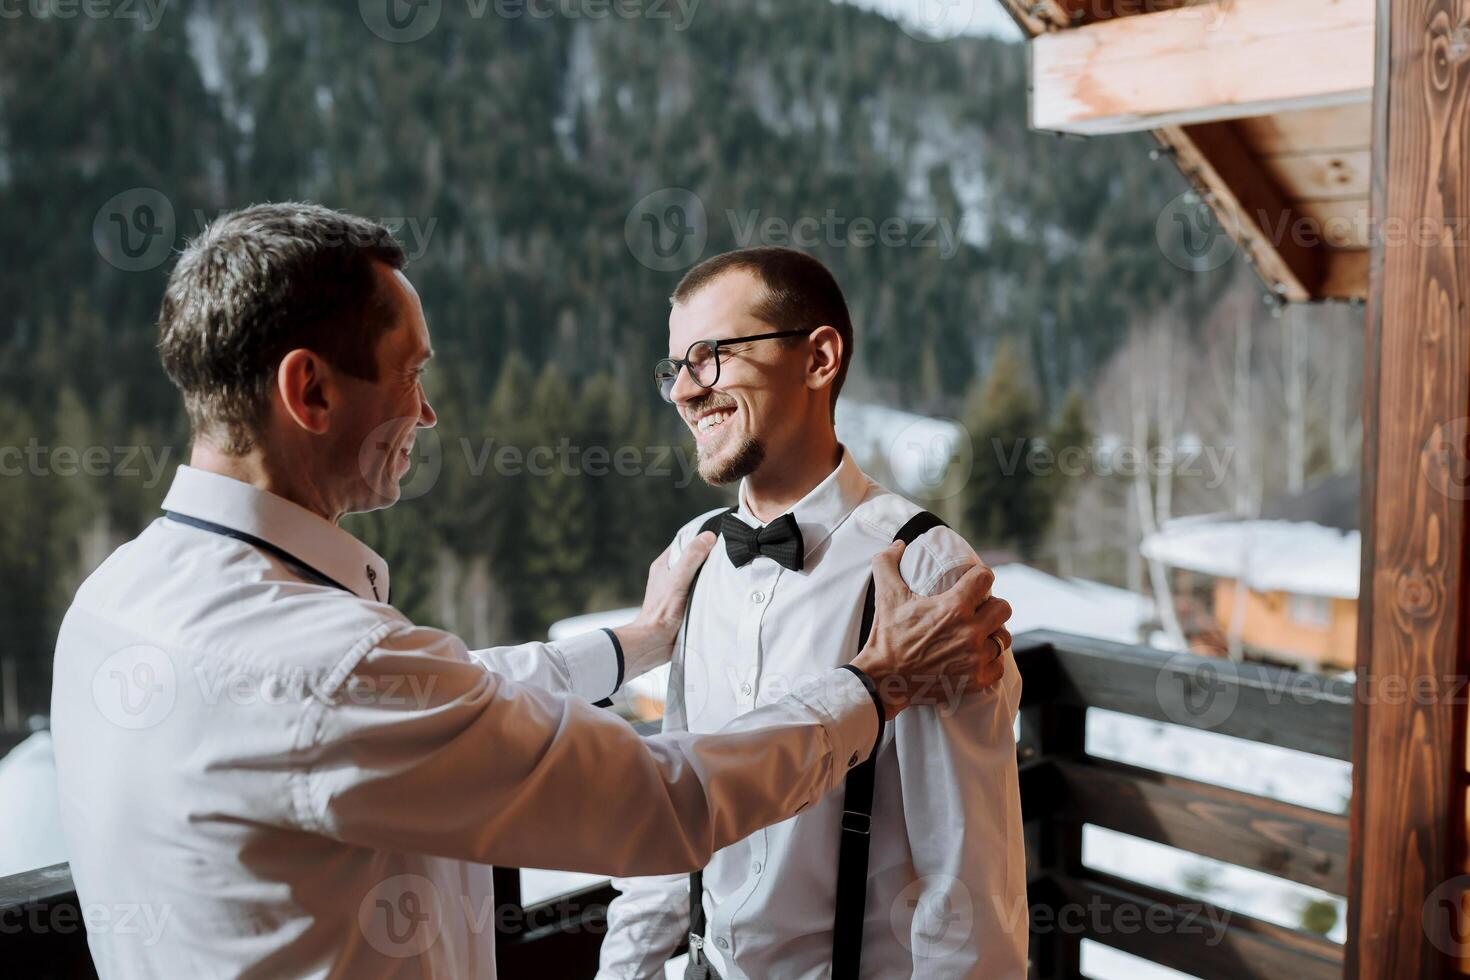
(508, 153)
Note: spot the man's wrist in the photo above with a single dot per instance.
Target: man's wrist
(872, 667)
(643, 647)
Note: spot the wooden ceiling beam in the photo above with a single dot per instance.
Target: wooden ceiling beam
(1041, 16)
(1035, 17)
(1082, 12)
(1200, 63)
(1346, 276)
(1250, 207)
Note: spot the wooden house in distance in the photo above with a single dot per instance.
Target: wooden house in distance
(1332, 140)
(1283, 587)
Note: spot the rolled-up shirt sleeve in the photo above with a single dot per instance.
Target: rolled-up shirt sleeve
(421, 748)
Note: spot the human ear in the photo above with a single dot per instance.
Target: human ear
(304, 385)
(825, 358)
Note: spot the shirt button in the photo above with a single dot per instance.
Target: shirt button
(756, 867)
(745, 689)
(722, 943)
(757, 597)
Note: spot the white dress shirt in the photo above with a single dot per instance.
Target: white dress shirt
(265, 775)
(947, 881)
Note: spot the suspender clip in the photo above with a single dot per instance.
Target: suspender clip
(854, 822)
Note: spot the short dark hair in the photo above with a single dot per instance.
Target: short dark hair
(257, 284)
(800, 294)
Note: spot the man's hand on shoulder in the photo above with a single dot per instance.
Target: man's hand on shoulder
(648, 641)
(959, 633)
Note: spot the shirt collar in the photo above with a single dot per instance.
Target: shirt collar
(825, 506)
(307, 537)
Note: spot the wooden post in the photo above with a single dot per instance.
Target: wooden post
(1408, 774)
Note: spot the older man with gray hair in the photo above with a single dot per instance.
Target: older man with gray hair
(252, 742)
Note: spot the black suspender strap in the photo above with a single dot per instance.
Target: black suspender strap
(857, 810)
(260, 544)
(696, 916)
(696, 880)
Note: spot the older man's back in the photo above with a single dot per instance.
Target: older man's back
(192, 676)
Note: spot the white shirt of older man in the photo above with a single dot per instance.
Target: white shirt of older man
(267, 762)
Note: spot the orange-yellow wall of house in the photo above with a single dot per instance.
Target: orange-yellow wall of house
(1269, 626)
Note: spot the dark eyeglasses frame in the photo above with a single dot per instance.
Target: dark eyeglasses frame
(666, 386)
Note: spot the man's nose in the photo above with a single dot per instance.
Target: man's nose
(427, 417)
(686, 389)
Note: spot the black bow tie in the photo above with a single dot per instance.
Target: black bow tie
(779, 540)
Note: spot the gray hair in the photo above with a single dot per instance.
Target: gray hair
(257, 284)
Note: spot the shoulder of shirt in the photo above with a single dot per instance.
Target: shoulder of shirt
(931, 557)
(689, 530)
(248, 618)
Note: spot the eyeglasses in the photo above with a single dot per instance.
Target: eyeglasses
(703, 361)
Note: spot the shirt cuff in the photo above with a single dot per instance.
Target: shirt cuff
(594, 663)
(842, 700)
(622, 664)
(872, 693)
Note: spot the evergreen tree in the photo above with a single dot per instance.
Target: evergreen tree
(1071, 456)
(25, 563)
(1070, 447)
(560, 529)
(1008, 502)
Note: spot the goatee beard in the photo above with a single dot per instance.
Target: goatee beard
(745, 460)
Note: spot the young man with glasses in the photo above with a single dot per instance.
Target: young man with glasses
(916, 868)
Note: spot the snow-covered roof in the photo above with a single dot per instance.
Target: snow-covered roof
(1042, 601)
(1299, 557)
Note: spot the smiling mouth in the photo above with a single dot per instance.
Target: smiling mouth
(706, 424)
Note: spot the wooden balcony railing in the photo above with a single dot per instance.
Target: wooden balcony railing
(42, 932)
(1062, 788)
